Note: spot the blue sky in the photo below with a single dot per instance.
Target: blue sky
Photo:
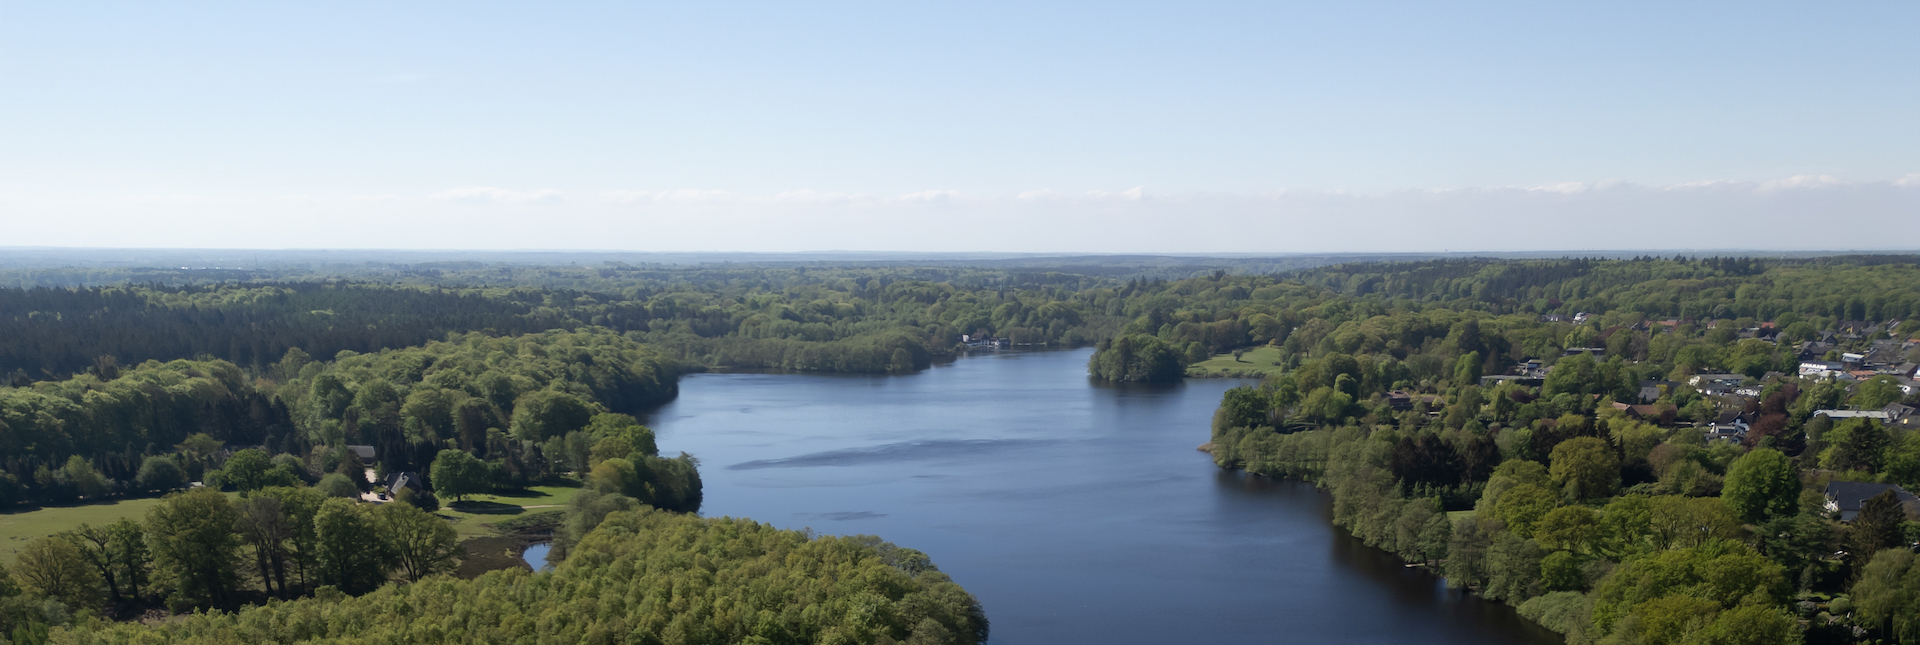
(1180, 127)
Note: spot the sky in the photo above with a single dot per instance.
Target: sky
(1186, 127)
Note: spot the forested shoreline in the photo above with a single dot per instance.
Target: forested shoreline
(1643, 480)
(248, 414)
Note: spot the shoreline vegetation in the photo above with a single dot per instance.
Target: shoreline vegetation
(1536, 429)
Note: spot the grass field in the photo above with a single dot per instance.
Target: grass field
(1256, 362)
(473, 516)
(470, 520)
(17, 529)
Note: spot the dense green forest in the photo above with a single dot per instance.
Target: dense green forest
(640, 576)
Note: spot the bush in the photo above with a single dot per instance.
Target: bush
(159, 473)
(418, 499)
(338, 485)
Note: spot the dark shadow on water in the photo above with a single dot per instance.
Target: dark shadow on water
(1413, 589)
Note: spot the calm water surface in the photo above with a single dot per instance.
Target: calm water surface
(1077, 512)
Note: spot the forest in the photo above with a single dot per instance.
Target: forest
(1593, 487)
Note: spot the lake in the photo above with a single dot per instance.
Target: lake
(1077, 511)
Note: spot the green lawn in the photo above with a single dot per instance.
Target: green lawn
(1256, 362)
(473, 516)
(17, 529)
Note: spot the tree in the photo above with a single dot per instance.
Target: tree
(194, 545)
(1678, 522)
(1761, 485)
(247, 469)
(1138, 358)
(422, 544)
(85, 480)
(337, 485)
(127, 542)
(457, 474)
(1523, 505)
(266, 528)
(1244, 407)
(115, 552)
(351, 555)
(1878, 526)
(1466, 370)
(54, 568)
(541, 414)
(1571, 528)
(1876, 393)
(1888, 594)
(298, 506)
(1585, 468)
(160, 473)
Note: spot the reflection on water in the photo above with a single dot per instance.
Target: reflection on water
(536, 556)
(1076, 511)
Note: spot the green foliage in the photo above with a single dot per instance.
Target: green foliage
(1876, 393)
(643, 574)
(1139, 358)
(337, 485)
(160, 473)
(1521, 506)
(192, 538)
(457, 473)
(421, 544)
(54, 568)
(1762, 485)
(1585, 468)
(351, 554)
(1661, 596)
(1887, 594)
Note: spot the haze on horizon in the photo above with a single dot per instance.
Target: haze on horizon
(1096, 127)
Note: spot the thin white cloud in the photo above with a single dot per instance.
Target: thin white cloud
(153, 198)
(495, 195)
(811, 196)
(682, 196)
(1804, 181)
(931, 196)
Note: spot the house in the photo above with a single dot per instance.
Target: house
(1651, 391)
(404, 479)
(364, 453)
(1852, 414)
(1653, 413)
(1552, 318)
(1819, 369)
(1853, 361)
(1399, 400)
(1845, 498)
(1703, 380)
(1814, 351)
(1596, 352)
(1731, 425)
(1901, 415)
(1580, 318)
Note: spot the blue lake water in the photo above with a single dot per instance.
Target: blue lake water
(536, 556)
(1078, 512)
